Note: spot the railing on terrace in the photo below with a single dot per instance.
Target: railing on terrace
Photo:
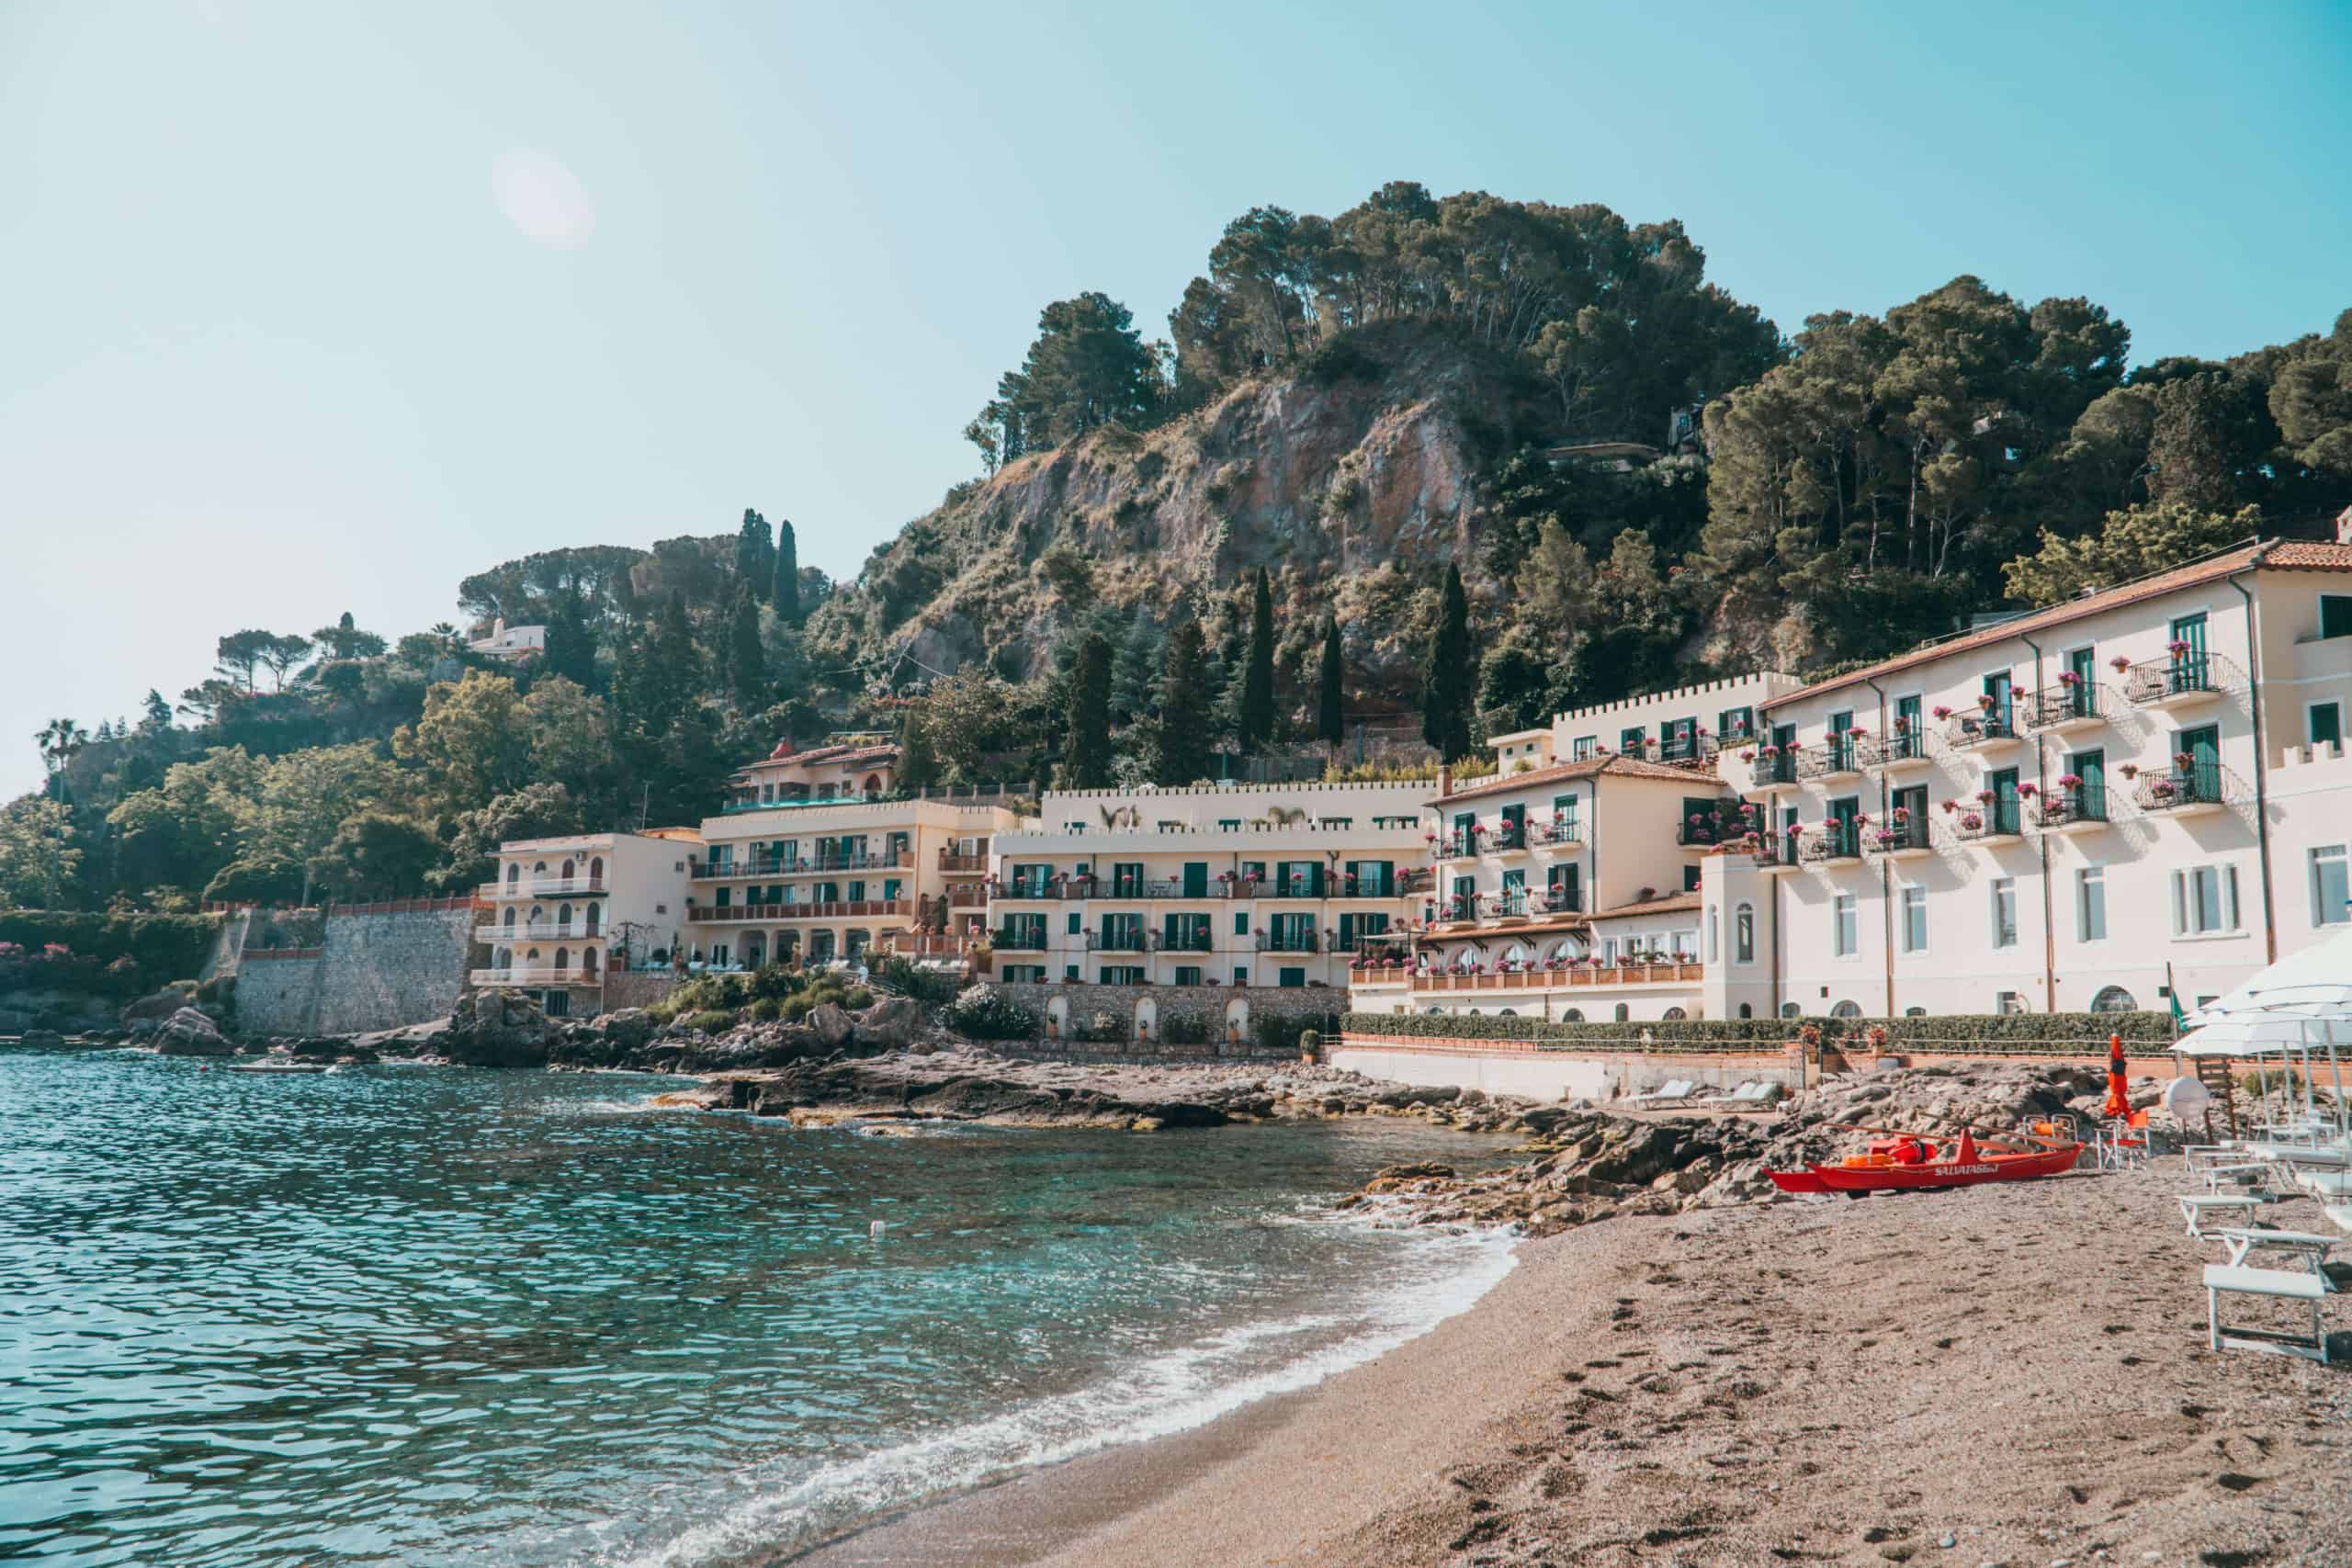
(574, 931)
(927, 944)
(949, 860)
(1835, 841)
(537, 977)
(1293, 941)
(2059, 705)
(1010, 939)
(1561, 831)
(1903, 830)
(1117, 941)
(1839, 755)
(2176, 675)
(1777, 849)
(546, 887)
(968, 896)
(1902, 746)
(2000, 818)
(1776, 765)
(1983, 727)
(833, 909)
(2197, 784)
(1224, 886)
(1523, 905)
(1674, 971)
(878, 859)
(2081, 802)
(1682, 751)
(1703, 831)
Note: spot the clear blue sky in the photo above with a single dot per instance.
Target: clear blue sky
(309, 307)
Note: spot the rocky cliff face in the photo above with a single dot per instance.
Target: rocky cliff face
(1348, 482)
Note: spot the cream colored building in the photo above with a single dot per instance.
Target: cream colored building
(1234, 885)
(563, 911)
(2118, 800)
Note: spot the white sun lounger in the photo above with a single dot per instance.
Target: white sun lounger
(2280, 1285)
(1676, 1088)
(2312, 1249)
(1748, 1094)
(2196, 1207)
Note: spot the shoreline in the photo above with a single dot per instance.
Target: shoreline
(1992, 1375)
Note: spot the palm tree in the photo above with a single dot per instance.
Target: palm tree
(58, 740)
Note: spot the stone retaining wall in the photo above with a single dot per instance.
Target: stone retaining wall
(637, 988)
(375, 967)
(1139, 1016)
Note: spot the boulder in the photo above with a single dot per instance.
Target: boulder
(890, 1023)
(189, 1033)
(630, 1029)
(496, 1029)
(162, 1005)
(44, 1038)
(830, 1024)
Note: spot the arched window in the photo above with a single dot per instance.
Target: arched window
(1623, 1012)
(1506, 1013)
(1673, 1015)
(509, 920)
(563, 916)
(540, 871)
(874, 784)
(563, 959)
(1747, 1011)
(1574, 1015)
(513, 875)
(596, 869)
(1790, 1010)
(565, 872)
(2115, 998)
(1715, 935)
(1846, 1010)
(1743, 934)
(588, 961)
(531, 959)
(595, 919)
(505, 959)
(1914, 1012)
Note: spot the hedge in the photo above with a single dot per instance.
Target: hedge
(166, 947)
(2054, 1032)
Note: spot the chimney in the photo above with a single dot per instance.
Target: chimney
(1446, 778)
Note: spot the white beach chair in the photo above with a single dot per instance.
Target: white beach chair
(1676, 1088)
(2278, 1285)
(2196, 1207)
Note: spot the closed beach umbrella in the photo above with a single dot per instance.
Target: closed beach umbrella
(2119, 1100)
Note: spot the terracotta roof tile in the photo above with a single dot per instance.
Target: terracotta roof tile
(1671, 904)
(1614, 765)
(2293, 555)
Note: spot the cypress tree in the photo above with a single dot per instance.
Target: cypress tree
(1446, 678)
(754, 555)
(1257, 712)
(1330, 720)
(785, 593)
(1181, 740)
(1086, 754)
(918, 762)
(571, 646)
(746, 662)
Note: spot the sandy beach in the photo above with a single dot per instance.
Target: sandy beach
(2011, 1375)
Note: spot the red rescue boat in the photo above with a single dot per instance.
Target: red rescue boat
(1908, 1162)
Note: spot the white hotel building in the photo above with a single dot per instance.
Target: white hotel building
(563, 912)
(2138, 793)
(1234, 885)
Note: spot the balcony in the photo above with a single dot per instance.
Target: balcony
(1905, 752)
(572, 930)
(546, 888)
(1726, 826)
(2178, 680)
(1117, 941)
(2063, 709)
(1460, 845)
(2186, 790)
(801, 802)
(1777, 851)
(927, 944)
(968, 896)
(1559, 833)
(2072, 809)
(955, 864)
(1904, 835)
(1834, 760)
(1293, 941)
(721, 869)
(1696, 752)
(1774, 767)
(1508, 838)
(1835, 842)
(1417, 880)
(1992, 823)
(1183, 941)
(1013, 939)
(512, 977)
(1522, 904)
(1986, 729)
(838, 910)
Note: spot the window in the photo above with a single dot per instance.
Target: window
(1690, 879)
(1715, 935)
(2090, 904)
(1240, 974)
(2005, 912)
(2009, 1002)
(1632, 738)
(2114, 998)
(1672, 1015)
(1735, 723)
(1074, 927)
(1915, 920)
(2331, 886)
(1743, 934)
(1574, 1015)
(1241, 923)
(2204, 900)
(2324, 724)
(1845, 933)
(1790, 1010)
(1745, 1010)
(1846, 1010)
(1292, 979)
(2335, 615)
(1582, 747)
(1623, 1012)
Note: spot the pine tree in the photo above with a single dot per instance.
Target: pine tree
(1180, 739)
(747, 664)
(1330, 720)
(755, 555)
(785, 593)
(571, 646)
(1134, 673)
(1446, 679)
(1086, 754)
(1256, 715)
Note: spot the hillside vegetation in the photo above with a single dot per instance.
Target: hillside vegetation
(1334, 493)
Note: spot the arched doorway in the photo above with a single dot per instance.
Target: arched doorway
(595, 919)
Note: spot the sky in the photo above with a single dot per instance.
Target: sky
(310, 307)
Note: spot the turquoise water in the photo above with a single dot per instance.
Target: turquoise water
(424, 1316)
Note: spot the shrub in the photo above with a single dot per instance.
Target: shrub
(1185, 1029)
(857, 999)
(982, 1013)
(160, 944)
(774, 982)
(932, 987)
(768, 1010)
(711, 1021)
(1276, 1033)
(1311, 1041)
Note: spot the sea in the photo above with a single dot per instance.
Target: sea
(417, 1316)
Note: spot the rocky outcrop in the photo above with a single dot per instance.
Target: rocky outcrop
(889, 1024)
(495, 1029)
(1593, 1165)
(189, 1032)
